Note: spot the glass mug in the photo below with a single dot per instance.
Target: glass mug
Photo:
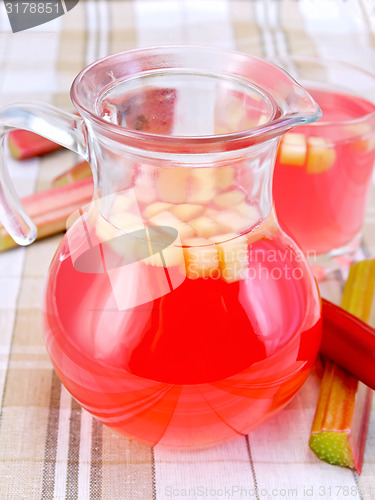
(176, 310)
(323, 172)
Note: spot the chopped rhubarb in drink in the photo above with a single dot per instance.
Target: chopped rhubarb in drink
(323, 174)
(204, 355)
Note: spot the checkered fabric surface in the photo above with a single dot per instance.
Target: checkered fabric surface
(49, 447)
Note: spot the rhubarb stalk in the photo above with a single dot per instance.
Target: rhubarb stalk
(50, 209)
(78, 172)
(23, 144)
(339, 430)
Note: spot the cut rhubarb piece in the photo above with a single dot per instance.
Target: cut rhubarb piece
(172, 184)
(167, 219)
(339, 430)
(234, 221)
(321, 155)
(144, 188)
(103, 229)
(292, 149)
(361, 137)
(23, 144)
(201, 258)
(202, 185)
(165, 247)
(268, 228)
(229, 199)
(233, 256)
(155, 208)
(80, 171)
(126, 235)
(205, 227)
(126, 221)
(122, 202)
(211, 212)
(251, 212)
(225, 177)
(187, 211)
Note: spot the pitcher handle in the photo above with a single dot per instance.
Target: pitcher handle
(58, 126)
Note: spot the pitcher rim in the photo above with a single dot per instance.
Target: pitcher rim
(228, 141)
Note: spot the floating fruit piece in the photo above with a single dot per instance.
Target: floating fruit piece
(171, 256)
(167, 219)
(340, 426)
(211, 212)
(126, 221)
(233, 256)
(361, 136)
(225, 176)
(103, 229)
(234, 221)
(111, 219)
(164, 246)
(155, 208)
(321, 155)
(201, 258)
(172, 184)
(229, 199)
(24, 144)
(292, 149)
(202, 185)
(126, 234)
(206, 227)
(266, 229)
(187, 211)
(251, 212)
(144, 186)
(124, 201)
(79, 171)
(112, 207)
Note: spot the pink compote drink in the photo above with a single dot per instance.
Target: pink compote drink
(323, 174)
(208, 361)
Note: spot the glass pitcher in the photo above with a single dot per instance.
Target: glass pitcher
(176, 311)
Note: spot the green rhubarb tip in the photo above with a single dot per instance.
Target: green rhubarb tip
(14, 150)
(333, 447)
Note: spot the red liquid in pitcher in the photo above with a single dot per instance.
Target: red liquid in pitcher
(207, 361)
(321, 184)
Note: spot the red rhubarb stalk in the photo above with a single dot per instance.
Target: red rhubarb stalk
(339, 431)
(50, 209)
(57, 197)
(349, 342)
(23, 145)
(78, 172)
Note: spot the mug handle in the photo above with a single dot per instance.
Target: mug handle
(58, 126)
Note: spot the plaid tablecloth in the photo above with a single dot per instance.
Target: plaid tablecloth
(49, 447)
